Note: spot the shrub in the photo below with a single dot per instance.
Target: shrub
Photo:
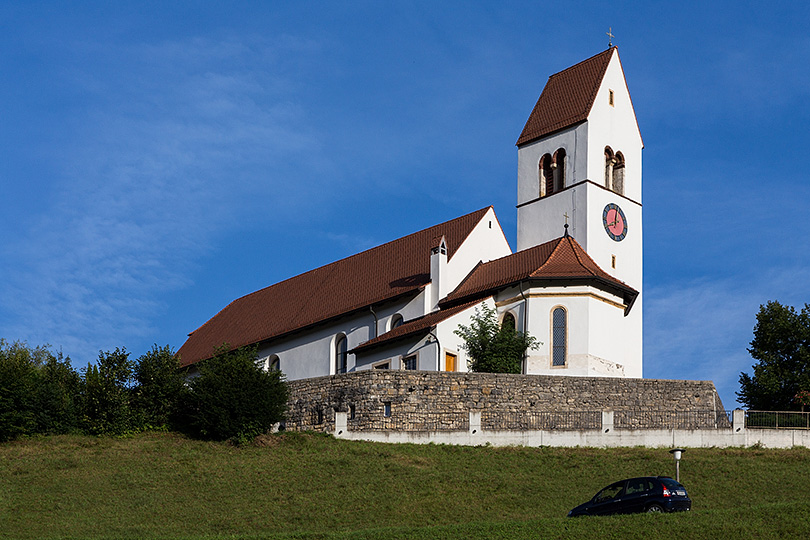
(159, 383)
(493, 348)
(233, 397)
(107, 392)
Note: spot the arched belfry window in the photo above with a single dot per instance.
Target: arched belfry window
(609, 159)
(614, 171)
(618, 174)
(274, 363)
(546, 173)
(558, 166)
(396, 320)
(341, 353)
(508, 321)
(559, 336)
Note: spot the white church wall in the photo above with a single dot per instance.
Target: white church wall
(595, 332)
(544, 220)
(615, 126)
(573, 140)
(452, 343)
(485, 242)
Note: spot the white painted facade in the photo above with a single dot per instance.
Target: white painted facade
(603, 336)
(603, 340)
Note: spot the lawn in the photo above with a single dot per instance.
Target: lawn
(162, 485)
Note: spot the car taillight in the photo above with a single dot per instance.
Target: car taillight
(666, 491)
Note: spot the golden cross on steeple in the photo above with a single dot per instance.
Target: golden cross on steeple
(565, 215)
(610, 36)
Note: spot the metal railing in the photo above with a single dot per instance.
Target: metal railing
(777, 420)
(656, 419)
(545, 420)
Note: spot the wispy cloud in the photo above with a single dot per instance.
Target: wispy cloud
(701, 329)
(171, 145)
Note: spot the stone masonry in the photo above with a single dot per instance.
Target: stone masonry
(385, 399)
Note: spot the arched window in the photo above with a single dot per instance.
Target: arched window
(274, 363)
(559, 331)
(396, 320)
(559, 170)
(341, 353)
(609, 160)
(546, 173)
(618, 174)
(508, 321)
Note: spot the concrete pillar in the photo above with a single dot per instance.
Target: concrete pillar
(607, 421)
(341, 423)
(475, 422)
(738, 421)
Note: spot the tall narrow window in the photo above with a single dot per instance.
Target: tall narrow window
(546, 176)
(559, 170)
(618, 174)
(609, 161)
(341, 354)
(396, 320)
(611, 99)
(508, 321)
(558, 336)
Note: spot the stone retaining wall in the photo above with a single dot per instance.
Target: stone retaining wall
(374, 399)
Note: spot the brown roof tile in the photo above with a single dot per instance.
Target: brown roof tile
(420, 325)
(560, 259)
(394, 269)
(567, 98)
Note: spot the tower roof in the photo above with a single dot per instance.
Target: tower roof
(560, 260)
(567, 98)
(391, 270)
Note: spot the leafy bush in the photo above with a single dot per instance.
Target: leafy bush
(159, 384)
(493, 348)
(233, 397)
(57, 396)
(107, 391)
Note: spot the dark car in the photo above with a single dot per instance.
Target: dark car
(643, 494)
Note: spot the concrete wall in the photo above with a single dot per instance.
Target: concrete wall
(428, 397)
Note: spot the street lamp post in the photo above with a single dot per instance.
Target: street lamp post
(677, 453)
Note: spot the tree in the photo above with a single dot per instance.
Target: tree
(233, 397)
(57, 396)
(493, 348)
(107, 394)
(781, 346)
(159, 383)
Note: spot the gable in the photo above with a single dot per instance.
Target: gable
(389, 271)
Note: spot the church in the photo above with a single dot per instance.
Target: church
(574, 283)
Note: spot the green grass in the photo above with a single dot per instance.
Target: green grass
(162, 485)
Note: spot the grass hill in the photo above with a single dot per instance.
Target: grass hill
(161, 485)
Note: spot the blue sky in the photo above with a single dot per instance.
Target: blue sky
(160, 159)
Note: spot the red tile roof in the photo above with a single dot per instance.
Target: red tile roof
(567, 98)
(562, 259)
(382, 273)
(420, 325)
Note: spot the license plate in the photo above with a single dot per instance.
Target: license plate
(680, 492)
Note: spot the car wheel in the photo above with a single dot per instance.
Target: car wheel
(655, 508)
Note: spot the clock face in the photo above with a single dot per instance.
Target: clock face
(615, 222)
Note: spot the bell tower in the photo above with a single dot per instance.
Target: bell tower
(579, 161)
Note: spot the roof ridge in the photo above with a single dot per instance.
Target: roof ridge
(579, 259)
(550, 255)
(609, 49)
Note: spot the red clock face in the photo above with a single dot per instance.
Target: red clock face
(614, 221)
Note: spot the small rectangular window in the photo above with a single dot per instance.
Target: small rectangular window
(387, 409)
(610, 97)
(613, 261)
(382, 365)
(409, 362)
(352, 412)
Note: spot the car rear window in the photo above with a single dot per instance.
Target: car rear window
(670, 483)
